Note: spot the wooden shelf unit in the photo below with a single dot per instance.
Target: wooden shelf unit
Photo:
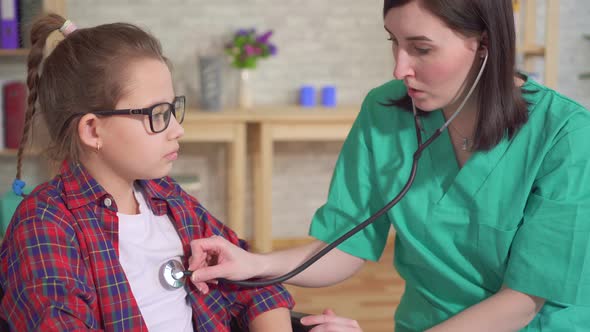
(529, 47)
(19, 52)
(49, 6)
(585, 75)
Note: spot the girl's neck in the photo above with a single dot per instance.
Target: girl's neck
(120, 188)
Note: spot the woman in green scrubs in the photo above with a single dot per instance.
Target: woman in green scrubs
(494, 233)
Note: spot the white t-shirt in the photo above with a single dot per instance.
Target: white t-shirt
(146, 242)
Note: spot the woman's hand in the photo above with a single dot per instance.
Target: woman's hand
(329, 322)
(216, 257)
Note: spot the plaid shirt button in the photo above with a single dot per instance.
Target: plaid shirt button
(108, 202)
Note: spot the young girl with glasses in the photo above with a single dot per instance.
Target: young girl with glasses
(84, 250)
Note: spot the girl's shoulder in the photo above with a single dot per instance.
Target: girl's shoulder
(43, 208)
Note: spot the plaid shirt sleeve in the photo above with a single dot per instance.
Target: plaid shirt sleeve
(42, 272)
(247, 303)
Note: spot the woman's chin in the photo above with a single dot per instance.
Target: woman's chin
(426, 105)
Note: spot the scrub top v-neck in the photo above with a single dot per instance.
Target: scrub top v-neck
(517, 215)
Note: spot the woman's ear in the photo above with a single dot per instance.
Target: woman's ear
(89, 131)
(483, 45)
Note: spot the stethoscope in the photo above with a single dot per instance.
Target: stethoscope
(172, 273)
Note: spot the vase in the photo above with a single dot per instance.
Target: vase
(210, 71)
(245, 89)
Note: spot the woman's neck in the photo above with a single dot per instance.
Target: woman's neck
(466, 121)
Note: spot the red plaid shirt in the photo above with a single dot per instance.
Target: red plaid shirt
(60, 270)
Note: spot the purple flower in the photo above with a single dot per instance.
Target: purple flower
(264, 38)
(247, 47)
(242, 32)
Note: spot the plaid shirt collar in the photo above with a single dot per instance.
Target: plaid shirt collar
(81, 189)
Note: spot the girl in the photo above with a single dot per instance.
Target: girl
(84, 250)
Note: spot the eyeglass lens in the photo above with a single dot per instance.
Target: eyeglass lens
(162, 113)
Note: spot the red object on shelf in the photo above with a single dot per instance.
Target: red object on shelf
(15, 105)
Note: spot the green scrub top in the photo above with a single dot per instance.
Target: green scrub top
(516, 215)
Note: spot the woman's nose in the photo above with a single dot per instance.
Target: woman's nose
(402, 67)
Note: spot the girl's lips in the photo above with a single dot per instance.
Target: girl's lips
(172, 156)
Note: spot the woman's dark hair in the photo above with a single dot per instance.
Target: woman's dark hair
(501, 109)
(86, 71)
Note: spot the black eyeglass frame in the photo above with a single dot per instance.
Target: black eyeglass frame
(143, 111)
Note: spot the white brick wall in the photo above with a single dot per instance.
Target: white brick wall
(320, 42)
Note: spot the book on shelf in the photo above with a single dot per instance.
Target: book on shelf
(2, 82)
(28, 11)
(9, 24)
(16, 19)
(15, 99)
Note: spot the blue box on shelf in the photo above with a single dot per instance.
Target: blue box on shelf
(307, 96)
(329, 96)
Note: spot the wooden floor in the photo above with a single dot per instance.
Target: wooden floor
(370, 297)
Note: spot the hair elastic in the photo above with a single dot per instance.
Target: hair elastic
(67, 28)
(17, 186)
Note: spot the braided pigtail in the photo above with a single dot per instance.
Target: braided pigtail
(39, 34)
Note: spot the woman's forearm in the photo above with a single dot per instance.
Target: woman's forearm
(334, 267)
(507, 310)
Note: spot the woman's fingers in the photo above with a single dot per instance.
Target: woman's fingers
(329, 321)
(329, 312)
(204, 251)
(208, 274)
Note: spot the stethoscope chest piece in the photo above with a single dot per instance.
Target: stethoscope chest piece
(171, 276)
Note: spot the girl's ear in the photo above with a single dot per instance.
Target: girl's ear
(89, 132)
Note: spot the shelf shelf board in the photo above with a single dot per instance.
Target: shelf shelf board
(532, 50)
(13, 153)
(14, 52)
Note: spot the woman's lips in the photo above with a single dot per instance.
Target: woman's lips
(414, 93)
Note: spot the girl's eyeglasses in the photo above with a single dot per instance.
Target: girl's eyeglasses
(159, 114)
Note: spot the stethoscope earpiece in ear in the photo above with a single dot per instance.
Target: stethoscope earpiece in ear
(483, 52)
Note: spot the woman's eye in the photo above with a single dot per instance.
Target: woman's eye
(422, 51)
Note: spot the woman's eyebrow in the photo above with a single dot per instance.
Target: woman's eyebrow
(411, 38)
